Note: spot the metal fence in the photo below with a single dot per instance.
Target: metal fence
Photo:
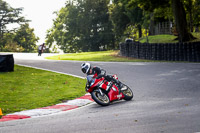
(162, 51)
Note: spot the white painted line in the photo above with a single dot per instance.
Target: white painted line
(77, 102)
(37, 112)
(52, 71)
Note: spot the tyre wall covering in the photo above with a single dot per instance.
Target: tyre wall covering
(6, 63)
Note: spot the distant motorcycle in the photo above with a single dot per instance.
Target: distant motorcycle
(103, 92)
(41, 48)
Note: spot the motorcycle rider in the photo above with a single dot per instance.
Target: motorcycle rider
(96, 72)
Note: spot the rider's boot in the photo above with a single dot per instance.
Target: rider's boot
(119, 84)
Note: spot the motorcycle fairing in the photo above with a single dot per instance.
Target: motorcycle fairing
(114, 94)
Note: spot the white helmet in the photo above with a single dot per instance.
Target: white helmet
(85, 67)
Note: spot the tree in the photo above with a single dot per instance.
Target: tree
(10, 44)
(135, 15)
(65, 29)
(192, 13)
(181, 22)
(189, 5)
(196, 16)
(99, 24)
(88, 31)
(8, 15)
(119, 19)
(126, 16)
(178, 13)
(26, 38)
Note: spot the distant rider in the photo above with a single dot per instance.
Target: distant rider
(41, 48)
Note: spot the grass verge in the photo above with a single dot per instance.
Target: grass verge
(28, 88)
(107, 56)
(167, 38)
(160, 39)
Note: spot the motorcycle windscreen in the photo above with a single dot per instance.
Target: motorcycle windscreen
(90, 78)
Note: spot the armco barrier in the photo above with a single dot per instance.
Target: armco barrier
(162, 51)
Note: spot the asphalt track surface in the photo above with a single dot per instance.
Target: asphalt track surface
(166, 100)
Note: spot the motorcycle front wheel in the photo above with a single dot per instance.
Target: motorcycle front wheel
(128, 94)
(101, 99)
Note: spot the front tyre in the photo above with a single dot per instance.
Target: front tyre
(100, 99)
(128, 94)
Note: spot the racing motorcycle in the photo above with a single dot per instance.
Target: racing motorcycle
(103, 92)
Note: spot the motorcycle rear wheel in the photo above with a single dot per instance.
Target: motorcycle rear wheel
(128, 93)
(100, 99)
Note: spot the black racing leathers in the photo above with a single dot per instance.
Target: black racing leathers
(96, 71)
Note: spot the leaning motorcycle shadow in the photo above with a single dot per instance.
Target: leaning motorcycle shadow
(113, 104)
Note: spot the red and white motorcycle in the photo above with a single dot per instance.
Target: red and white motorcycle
(103, 92)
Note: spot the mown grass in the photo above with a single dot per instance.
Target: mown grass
(197, 35)
(107, 56)
(167, 38)
(160, 39)
(29, 88)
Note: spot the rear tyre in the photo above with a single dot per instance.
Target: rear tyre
(128, 94)
(100, 99)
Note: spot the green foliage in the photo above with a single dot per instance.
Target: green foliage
(17, 40)
(119, 19)
(26, 38)
(150, 5)
(126, 15)
(192, 9)
(28, 88)
(95, 25)
(22, 40)
(11, 45)
(163, 14)
(88, 31)
(196, 11)
(9, 15)
(178, 13)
